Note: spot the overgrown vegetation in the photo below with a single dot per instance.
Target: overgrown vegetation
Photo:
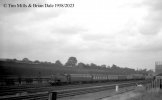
(153, 94)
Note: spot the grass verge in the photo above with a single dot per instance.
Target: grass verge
(152, 94)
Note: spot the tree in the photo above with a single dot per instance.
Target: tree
(93, 65)
(26, 60)
(72, 61)
(108, 67)
(37, 61)
(103, 66)
(15, 60)
(114, 66)
(58, 63)
(115, 69)
(81, 65)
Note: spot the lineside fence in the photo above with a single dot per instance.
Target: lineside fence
(154, 84)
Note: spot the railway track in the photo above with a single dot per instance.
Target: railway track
(17, 90)
(67, 92)
(79, 91)
(33, 89)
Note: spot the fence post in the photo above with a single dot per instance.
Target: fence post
(52, 96)
(117, 88)
(160, 84)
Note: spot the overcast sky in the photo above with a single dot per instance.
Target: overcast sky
(127, 33)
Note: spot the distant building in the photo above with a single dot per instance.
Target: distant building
(158, 68)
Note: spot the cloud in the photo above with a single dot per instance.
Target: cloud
(27, 34)
(148, 44)
(155, 5)
(101, 34)
(67, 30)
(97, 37)
(152, 24)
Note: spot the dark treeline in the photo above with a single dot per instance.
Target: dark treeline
(72, 62)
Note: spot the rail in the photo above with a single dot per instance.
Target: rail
(34, 96)
(53, 95)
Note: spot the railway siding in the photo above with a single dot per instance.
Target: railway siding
(67, 92)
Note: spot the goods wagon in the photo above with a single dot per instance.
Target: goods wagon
(137, 76)
(122, 77)
(99, 77)
(80, 78)
(129, 77)
(113, 77)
